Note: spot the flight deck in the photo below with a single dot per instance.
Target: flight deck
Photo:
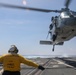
(53, 66)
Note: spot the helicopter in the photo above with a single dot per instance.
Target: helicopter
(63, 26)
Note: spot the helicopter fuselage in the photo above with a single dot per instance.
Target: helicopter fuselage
(64, 27)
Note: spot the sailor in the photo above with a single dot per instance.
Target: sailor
(11, 62)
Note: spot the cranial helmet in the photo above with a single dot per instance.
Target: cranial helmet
(13, 49)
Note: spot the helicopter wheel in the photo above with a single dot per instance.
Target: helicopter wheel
(53, 49)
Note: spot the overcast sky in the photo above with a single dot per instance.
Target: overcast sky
(26, 28)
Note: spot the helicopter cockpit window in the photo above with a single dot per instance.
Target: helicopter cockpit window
(65, 14)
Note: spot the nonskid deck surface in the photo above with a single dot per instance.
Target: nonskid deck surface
(53, 66)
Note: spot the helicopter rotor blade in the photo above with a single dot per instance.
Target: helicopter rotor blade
(67, 3)
(27, 8)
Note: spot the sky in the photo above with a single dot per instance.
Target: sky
(25, 28)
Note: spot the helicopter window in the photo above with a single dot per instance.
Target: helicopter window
(65, 15)
(51, 26)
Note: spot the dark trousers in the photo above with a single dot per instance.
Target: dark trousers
(11, 73)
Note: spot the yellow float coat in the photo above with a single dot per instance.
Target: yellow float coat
(12, 62)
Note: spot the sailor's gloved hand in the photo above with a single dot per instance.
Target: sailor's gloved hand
(41, 67)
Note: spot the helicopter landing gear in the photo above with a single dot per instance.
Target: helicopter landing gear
(53, 48)
(54, 37)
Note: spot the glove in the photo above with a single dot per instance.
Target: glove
(41, 67)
